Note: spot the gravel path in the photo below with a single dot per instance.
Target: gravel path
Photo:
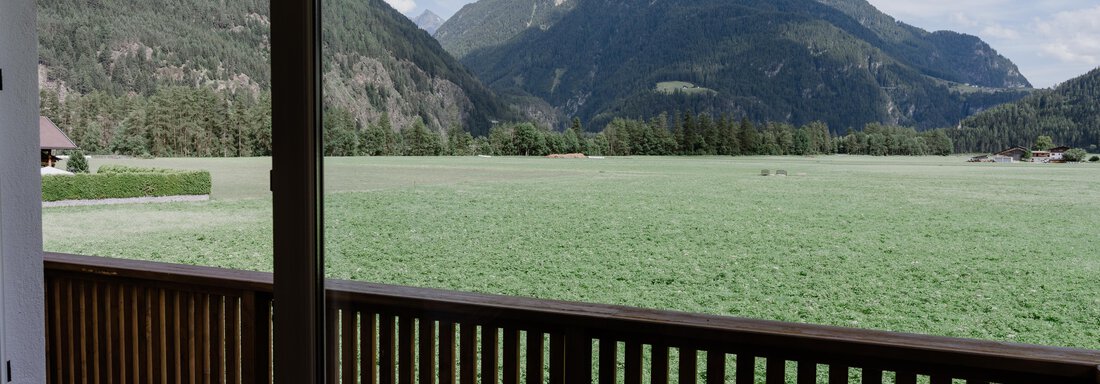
(132, 200)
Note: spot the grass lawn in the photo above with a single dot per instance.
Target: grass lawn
(929, 245)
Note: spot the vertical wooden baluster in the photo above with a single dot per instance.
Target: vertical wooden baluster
(609, 367)
(689, 365)
(133, 338)
(905, 377)
(68, 334)
(659, 362)
(427, 351)
(96, 315)
(332, 344)
(490, 355)
(174, 331)
(511, 356)
(807, 372)
(578, 357)
(85, 337)
(108, 351)
(349, 335)
(536, 361)
(775, 370)
(150, 333)
(447, 358)
(467, 356)
(407, 362)
(746, 368)
(368, 347)
(192, 354)
(872, 376)
(205, 342)
(163, 347)
(217, 318)
(386, 354)
(838, 374)
(557, 358)
(633, 363)
(235, 338)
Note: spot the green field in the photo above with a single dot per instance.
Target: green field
(929, 245)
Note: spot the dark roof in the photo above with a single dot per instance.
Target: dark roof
(51, 137)
(1010, 150)
(1061, 149)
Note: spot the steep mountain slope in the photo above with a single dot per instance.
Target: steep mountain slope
(490, 22)
(377, 62)
(1070, 114)
(428, 21)
(943, 54)
(785, 60)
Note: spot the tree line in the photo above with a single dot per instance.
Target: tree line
(201, 122)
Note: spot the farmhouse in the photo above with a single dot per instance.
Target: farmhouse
(51, 138)
(1010, 155)
(1057, 152)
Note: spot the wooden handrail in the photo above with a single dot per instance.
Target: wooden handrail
(584, 323)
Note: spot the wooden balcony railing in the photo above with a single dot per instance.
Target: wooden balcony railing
(121, 321)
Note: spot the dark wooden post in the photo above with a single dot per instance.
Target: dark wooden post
(296, 186)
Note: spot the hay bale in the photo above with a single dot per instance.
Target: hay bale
(765, 172)
(566, 156)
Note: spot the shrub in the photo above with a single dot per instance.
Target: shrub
(125, 182)
(1095, 159)
(77, 163)
(1074, 155)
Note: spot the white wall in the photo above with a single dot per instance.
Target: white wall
(20, 197)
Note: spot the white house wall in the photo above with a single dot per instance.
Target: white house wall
(23, 341)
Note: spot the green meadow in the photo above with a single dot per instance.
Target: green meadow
(928, 244)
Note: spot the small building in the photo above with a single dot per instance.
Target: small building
(1014, 153)
(1040, 156)
(51, 138)
(1057, 152)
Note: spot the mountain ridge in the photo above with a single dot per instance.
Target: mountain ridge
(789, 60)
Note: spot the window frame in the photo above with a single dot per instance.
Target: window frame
(296, 184)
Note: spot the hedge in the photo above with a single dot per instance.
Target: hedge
(124, 182)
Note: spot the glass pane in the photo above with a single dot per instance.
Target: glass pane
(750, 163)
(174, 139)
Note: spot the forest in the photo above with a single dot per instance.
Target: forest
(1070, 113)
(201, 122)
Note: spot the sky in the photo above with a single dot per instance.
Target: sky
(1051, 41)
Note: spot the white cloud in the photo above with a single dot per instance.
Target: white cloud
(1072, 36)
(1051, 41)
(403, 6)
(998, 31)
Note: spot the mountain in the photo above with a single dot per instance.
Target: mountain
(376, 61)
(1069, 113)
(839, 61)
(428, 21)
(489, 22)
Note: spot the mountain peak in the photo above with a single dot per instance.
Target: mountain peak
(428, 21)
